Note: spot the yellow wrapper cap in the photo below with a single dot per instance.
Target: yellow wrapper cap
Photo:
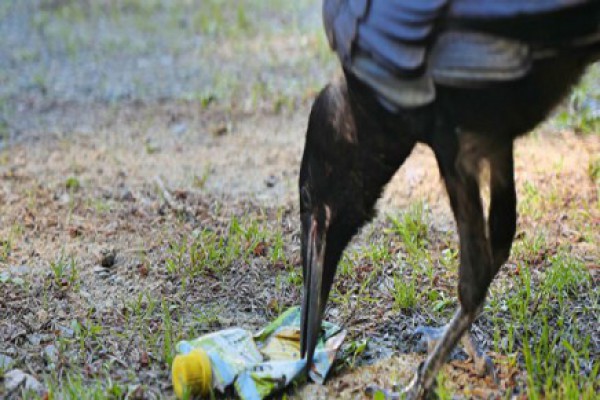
(191, 373)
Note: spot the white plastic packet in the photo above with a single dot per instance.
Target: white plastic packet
(261, 364)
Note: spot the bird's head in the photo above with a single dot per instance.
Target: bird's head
(348, 159)
(331, 203)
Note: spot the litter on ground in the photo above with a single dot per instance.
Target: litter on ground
(256, 365)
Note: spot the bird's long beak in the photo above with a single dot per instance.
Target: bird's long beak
(313, 302)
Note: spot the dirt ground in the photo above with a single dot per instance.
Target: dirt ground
(121, 137)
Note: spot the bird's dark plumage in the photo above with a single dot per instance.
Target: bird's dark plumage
(402, 48)
(465, 77)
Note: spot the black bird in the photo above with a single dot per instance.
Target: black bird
(466, 77)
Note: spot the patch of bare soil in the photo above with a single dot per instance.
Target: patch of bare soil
(399, 371)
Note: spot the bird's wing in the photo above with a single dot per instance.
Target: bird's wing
(540, 21)
(385, 44)
(401, 47)
(510, 8)
(394, 32)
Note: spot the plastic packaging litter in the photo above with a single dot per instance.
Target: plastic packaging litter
(257, 365)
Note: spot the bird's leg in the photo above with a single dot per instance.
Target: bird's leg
(432, 336)
(502, 221)
(460, 171)
(424, 379)
(483, 363)
(501, 230)
(459, 166)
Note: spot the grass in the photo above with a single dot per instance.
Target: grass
(65, 273)
(412, 228)
(207, 251)
(582, 112)
(225, 35)
(537, 317)
(530, 315)
(405, 293)
(594, 170)
(7, 243)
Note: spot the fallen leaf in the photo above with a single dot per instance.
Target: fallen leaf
(260, 250)
(143, 270)
(144, 360)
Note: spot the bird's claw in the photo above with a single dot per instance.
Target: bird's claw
(484, 366)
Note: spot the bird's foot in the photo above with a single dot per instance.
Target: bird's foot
(482, 363)
(484, 366)
(413, 391)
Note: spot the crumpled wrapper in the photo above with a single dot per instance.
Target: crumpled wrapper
(261, 364)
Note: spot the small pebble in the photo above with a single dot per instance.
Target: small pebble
(17, 378)
(101, 271)
(5, 361)
(271, 181)
(34, 339)
(51, 353)
(107, 257)
(179, 129)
